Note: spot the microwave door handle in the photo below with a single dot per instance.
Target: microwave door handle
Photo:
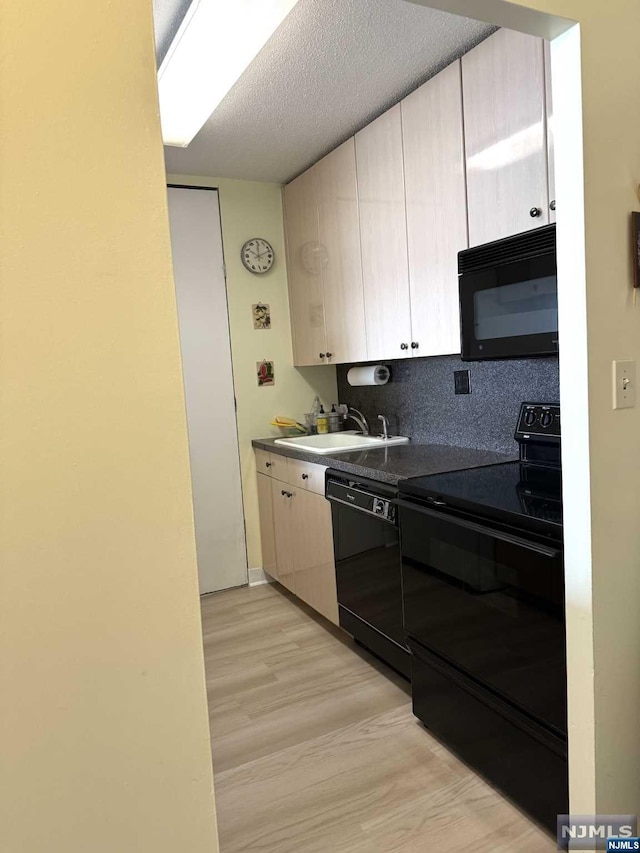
(542, 550)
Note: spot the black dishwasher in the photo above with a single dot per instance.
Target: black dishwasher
(368, 568)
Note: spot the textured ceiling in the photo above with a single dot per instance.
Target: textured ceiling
(329, 69)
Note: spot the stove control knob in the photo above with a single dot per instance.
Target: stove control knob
(547, 419)
(529, 418)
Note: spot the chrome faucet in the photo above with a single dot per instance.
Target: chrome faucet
(385, 426)
(359, 418)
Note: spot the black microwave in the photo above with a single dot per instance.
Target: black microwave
(509, 297)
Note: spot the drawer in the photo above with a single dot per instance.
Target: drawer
(306, 475)
(264, 464)
(271, 464)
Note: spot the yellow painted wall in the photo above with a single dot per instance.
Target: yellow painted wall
(103, 716)
(254, 209)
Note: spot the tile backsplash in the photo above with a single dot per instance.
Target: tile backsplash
(420, 402)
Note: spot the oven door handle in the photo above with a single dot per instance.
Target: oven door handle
(510, 539)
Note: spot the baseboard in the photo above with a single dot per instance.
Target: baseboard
(258, 576)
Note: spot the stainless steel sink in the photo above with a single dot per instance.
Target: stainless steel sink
(339, 442)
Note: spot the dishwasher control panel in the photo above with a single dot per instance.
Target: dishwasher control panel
(385, 509)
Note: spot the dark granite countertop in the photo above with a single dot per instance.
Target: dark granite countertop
(391, 464)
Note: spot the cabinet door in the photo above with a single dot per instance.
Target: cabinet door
(436, 209)
(504, 121)
(267, 532)
(304, 262)
(315, 574)
(339, 234)
(383, 236)
(551, 159)
(282, 497)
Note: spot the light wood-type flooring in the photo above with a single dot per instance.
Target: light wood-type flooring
(315, 747)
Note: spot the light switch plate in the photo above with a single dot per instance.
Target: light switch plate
(624, 384)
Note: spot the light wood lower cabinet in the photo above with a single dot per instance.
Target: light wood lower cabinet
(283, 530)
(267, 531)
(312, 543)
(297, 534)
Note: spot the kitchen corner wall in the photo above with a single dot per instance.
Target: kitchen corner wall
(420, 402)
(254, 209)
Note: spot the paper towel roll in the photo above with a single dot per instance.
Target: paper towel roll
(374, 374)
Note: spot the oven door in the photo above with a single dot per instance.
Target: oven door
(510, 310)
(491, 603)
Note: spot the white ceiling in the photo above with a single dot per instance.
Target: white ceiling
(329, 69)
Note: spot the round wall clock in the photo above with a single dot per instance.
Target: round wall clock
(257, 255)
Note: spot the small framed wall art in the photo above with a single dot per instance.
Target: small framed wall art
(265, 373)
(261, 314)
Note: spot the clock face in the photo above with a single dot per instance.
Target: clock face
(257, 255)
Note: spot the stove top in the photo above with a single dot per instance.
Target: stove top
(525, 494)
(516, 494)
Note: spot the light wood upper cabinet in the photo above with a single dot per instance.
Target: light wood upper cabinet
(267, 530)
(304, 268)
(551, 156)
(436, 201)
(339, 236)
(312, 541)
(283, 527)
(504, 119)
(383, 237)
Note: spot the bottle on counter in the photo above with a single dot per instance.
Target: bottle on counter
(311, 418)
(334, 419)
(322, 422)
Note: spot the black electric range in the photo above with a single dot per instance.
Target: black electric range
(483, 598)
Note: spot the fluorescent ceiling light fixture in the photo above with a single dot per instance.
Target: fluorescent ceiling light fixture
(216, 42)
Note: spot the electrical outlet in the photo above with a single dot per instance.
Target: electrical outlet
(624, 384)
(462, 381)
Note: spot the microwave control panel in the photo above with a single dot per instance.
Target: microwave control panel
(538, 420)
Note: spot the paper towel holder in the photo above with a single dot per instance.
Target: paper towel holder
(371, 374)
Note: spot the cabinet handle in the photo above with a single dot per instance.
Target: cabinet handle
(534, 212)
(322, 355)
(404, 346)
(552, 204)
(286, 494)
(414, 344)
(305, 476)
(267, 464)
(329, 354)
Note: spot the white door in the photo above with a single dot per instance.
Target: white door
(196, 242)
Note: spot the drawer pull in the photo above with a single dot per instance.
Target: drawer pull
(267, 464)
(305, 476)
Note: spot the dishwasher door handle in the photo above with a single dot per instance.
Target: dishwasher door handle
(484, 530)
